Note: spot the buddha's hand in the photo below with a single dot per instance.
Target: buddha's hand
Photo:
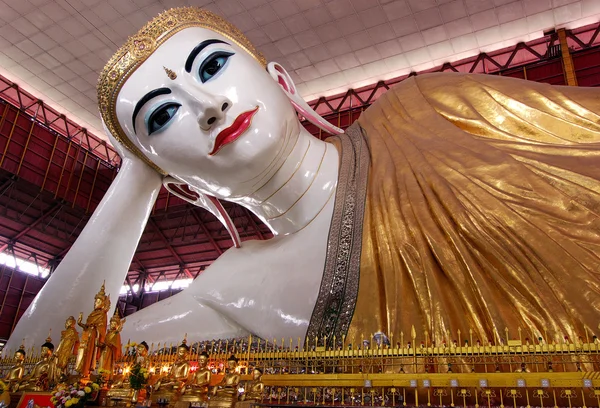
(80, 321)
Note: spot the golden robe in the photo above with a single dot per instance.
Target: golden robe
(69, 342)
(88, 353)
(481, 211)
(111, 351)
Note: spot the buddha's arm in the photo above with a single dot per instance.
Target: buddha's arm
(80, 322)
(183, 374)
(166, 320)
(236, 380)
(113, 233)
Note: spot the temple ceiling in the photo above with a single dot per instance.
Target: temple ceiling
(55, 49)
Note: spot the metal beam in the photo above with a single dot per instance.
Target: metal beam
(206, 231)
(569, 68)
(41, 218)
(254, 225)
(169, 246)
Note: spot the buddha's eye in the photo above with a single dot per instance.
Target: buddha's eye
(161, 116)
(213, 64)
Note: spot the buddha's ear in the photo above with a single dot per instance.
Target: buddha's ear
(209, 203)
(279, 74)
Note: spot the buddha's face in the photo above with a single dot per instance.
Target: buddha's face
(256, 374)
(202, 360)
(231, 364)
(70, 323)
(19, 357)
(182, 353)
(98, 303)
(46, 351)
(222, 125)
(141, 350)
(114, 324)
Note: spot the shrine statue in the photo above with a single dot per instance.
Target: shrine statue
(93, 335)
(172, 384)
(456, 201)
(15, 373)
(110, 348)
(254, 389)
(224, 394)
(196, 389)
(69, 342)
(120, 389)
(141, 352)
(42, 374)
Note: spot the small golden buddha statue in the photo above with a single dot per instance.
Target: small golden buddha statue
(94, 332)
(110, 348)
(15, 373)
(120, 389)
(173, 383)
(224, 395)
(255, 387)
(141, 352)
(197, 387)
(69, 340)
(42, 373)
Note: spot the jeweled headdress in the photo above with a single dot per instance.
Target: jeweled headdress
(184, 343)
(48, 344)
(138, 48)
(101, 294)
(115, 317)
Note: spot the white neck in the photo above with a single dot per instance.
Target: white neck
(297, 192)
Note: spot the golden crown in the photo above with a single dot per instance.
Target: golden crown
(139, 47)
(116, 316)
(101, 294)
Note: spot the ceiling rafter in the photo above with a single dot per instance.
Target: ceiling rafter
(169, 246)
(206, 231)
(31, 226)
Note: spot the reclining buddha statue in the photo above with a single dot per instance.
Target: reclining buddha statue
(456, 201)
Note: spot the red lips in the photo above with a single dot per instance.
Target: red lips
(233, 132)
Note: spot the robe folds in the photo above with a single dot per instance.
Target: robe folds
(466, 202)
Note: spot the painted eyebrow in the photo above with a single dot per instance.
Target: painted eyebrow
(152, 94)
(197, 50)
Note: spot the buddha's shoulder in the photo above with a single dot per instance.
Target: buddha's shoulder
(458, 82)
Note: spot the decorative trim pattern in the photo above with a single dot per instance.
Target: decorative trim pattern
(338, 294)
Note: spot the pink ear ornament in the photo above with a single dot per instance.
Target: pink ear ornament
(209, 203)
(279, 74)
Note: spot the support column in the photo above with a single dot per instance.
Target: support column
(568, 67)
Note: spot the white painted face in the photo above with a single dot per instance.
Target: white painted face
(222, 125)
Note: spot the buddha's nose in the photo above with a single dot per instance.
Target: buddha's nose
(213, 112)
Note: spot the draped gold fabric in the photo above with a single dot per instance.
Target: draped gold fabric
(482, 210)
